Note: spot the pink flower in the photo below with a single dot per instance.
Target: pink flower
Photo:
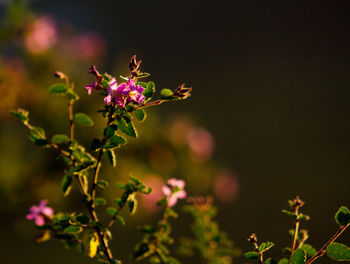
(201, 143)
(91, 87)
(87, 45)
(173, 190)
(125, 91)
(40, 213)
(149, 201)
(41, 36)
(226, 186)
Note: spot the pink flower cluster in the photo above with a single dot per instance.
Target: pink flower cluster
(40, 213)
(174, 190)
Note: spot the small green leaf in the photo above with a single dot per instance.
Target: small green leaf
(283, 261)
(58, 89)
(132, 204)
(90, 242)
(149, 90)
(72, 229)
(111, 211)
(265, 246)
(338, 252)
(126, 126)
(166, 93)
(66, 184)
(102, 184)
(84, 166)
(251, 255)
(342, 217)
(111, 157)
(110, 131)
(309, 250)
(95, 144)
(83, 219)
(114, 142)
(142, 75)
(303, 217)
(290, 214)
(139, 114)
(298, 257)
(141, 249)
(148, 229)
(121, 220)
(60, 139)
(287, 251)
(100, 201)
(82, 119)
(72, 95)
(22, 114)
(270, 261)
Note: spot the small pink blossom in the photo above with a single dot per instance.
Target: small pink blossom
(91, 87)
(149, 201)
(87, 45)
(124, 92)
(41, 36)
(226, 186)
(173, 190)
(40, 213)
(201, 143)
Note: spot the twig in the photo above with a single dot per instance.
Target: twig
(321, 252)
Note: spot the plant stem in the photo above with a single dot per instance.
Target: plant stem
(296, 230)
(111, 222)
(321, 252)
(90, 205)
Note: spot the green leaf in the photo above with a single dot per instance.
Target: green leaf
(37, 135)
(58, 89)
(149, 90)
(111, 157)
(142, 75)
(342, 217)
(60, 139)
(309, 250)
(132, 204)
(251, 255)
(126, 126)
(83, 219)
(72, 95)
(121, 220)
(82, 119)
(283, 261)
(303, 217)
(84, 166)
(270, 261)
(72, 229)
(114, 142)
(286, 251)
(166, 93)
(298, 257)
(338, 252)
(140, 114)
(100, 201)
(111, 211)
(22, 114)
(66, 184)
(141, 249)
(90, 242)
(148, 229)
(265, 246)
(110, 131)
(290, 214)
(102, 184)
(95, 144)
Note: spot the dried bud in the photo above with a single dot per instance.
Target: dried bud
(201, 202)
(94, 71)
(297, 202)
(60, 75)
(134, 66)
(183, 92)
(253, 239)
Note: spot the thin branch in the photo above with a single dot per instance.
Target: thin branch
(323, 250)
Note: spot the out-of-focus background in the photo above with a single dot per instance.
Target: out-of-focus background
(268, 119)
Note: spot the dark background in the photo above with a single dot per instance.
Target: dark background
(270, 81)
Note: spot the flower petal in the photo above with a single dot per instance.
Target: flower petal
(166, 190)
(48, 211)
(119, 101)
(172, 201)
(123, 89)
(39, 220)
(108, 99)
(181, 194)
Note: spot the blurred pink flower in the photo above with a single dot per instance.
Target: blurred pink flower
(39, 213)
(173, 190)
(149, 201)
(87, 45)
(201, 143)
(41, 36)
(226, 186)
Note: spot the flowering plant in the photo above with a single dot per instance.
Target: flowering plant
(124, 103)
